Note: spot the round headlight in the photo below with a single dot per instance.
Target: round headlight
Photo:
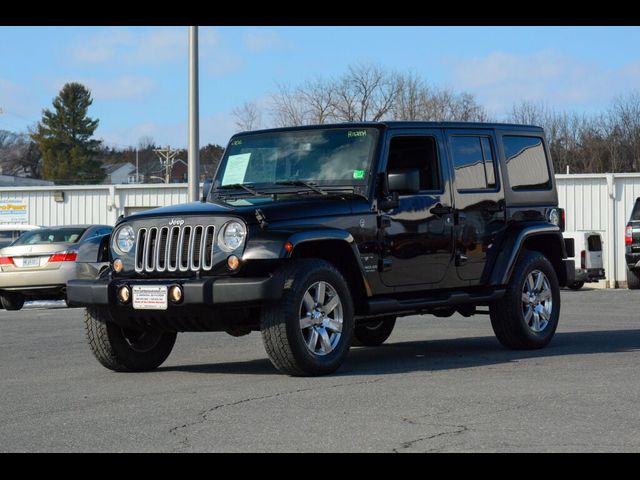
(554, 216)
(232, 237)
(125, 238)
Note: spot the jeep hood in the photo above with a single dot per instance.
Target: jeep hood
(288, 208)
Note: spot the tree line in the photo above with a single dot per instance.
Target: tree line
(62, 147)
(607, 141)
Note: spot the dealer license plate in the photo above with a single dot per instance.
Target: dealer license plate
(149, 297)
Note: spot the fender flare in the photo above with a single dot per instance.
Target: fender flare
(504, 265)
(307, 236)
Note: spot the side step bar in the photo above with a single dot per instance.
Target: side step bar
(383, 305)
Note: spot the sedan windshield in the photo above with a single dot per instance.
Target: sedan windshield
(334, 156)
(57, 235)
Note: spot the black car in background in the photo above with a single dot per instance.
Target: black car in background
(632, 247)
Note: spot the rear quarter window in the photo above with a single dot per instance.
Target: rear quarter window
(526, 160)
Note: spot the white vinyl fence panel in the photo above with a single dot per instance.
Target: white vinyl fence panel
(593, 202)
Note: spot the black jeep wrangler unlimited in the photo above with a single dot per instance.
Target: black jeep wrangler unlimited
(320, 237)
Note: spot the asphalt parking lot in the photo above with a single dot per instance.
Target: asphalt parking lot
(438, 385)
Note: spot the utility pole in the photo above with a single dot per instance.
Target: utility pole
(166, 156)
(193, 159)
(137, 174)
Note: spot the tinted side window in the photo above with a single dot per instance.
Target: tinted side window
(473, 162)
(526, 163)
(416, 152)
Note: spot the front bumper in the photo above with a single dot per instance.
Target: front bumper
(197, 292)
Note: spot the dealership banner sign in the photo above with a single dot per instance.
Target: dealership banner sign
(14, 211)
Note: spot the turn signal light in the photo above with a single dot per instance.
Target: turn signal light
(63, 257)
(233, 262)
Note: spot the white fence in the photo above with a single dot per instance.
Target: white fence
(594, 202)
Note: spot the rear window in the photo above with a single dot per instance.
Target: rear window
(594, 243)
(526, 163)
(635, 214)
(58, 235)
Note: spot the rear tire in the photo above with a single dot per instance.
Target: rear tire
(309, 331)
(12, 301)
(125, 350)
(374, 333)
(576, 285)
(633, 280)
(527, 317)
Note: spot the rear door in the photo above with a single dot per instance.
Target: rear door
(478, 199)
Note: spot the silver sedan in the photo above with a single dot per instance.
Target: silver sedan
(39, 263)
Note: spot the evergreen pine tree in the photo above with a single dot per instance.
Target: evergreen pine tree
(64, 137)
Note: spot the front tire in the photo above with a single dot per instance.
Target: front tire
(309, 332)
(125, 350)
(374, 333)
(12, 301)
(633, 280)
(527, 317)
(576, 285)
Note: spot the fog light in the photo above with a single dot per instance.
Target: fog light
(233, 262)
(175, 294)
(117, 265)
(124, 294)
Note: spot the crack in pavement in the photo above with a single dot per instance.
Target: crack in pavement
(460, 429)
(204, 415)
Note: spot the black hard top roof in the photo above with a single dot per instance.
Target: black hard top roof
(407, 124)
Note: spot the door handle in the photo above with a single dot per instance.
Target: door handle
(439, 209)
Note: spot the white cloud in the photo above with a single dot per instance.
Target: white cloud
(501, 79)
(149, 46)
(125, 87)
(261, 40)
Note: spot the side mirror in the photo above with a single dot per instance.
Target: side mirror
(404, 181)
(206, 188)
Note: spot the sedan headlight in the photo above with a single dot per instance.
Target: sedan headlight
(232, 236)
(125, 239)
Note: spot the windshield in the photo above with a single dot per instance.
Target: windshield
(58, 235)
(336, 156)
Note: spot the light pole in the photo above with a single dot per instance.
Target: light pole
(193, 160)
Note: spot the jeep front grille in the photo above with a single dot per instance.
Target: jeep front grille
(171, 249)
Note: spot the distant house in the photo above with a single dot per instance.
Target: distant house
(11, 181)
(178, 174)
(179, 171)
(117, 173)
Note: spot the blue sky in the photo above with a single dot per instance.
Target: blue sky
(138, 75)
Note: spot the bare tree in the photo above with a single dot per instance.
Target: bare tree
(247, 117)
(288, 109)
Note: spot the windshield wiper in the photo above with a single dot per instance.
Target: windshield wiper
(302, 183)
(238, 185)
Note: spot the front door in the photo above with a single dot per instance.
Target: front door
(417, 235)
(480, 214)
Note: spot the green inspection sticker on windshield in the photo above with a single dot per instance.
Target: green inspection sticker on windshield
(358, 174)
